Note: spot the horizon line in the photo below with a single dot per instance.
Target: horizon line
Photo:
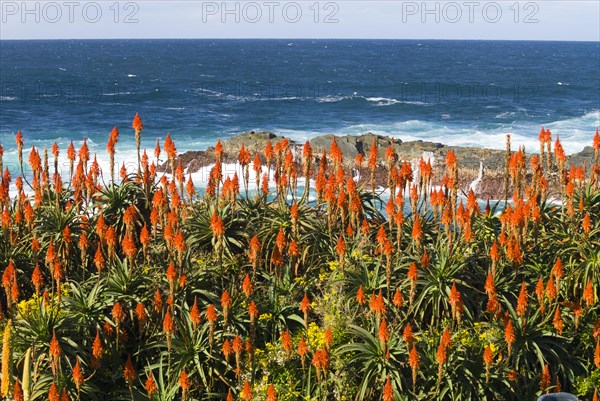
(323, 39)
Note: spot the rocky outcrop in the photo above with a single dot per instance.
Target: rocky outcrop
(470, 158)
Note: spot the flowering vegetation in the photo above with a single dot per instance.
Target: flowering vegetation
(143, 290)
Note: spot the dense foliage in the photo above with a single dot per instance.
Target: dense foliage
(142, 290)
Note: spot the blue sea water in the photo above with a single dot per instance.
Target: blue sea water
(455, 92)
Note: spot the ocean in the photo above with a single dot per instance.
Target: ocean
(454, 92)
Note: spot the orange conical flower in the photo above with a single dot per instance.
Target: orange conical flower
(305, 308)
(247, 286)
(407, 335)
(150, 386)
(487, 359)
(398, 300)
(509, 335)
(195, 314)
(129, 373)
(388, 391)
(97, 350)
(137, 123)
(586, 224)
(18, 391)
(413, 362)
(55, 349)
(246, 393)
(557, 321)
(360, 296)
(589, 297)
(271, 393)
(184, 382)
(546, 379)
(77, 375)
(384, 333)
(117, 313)
(522, 301)
(53, 393)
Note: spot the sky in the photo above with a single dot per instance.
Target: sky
(361, 19)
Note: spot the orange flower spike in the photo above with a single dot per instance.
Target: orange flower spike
(129, 373)
(558, 270)
(408, 335)
(384, 333)
(225, 300)
(454, 296)
(546, 379)
(302, 348)
(450, 160)
(227, 350)
(360, 296)
(168, 324)
(539, 290)
(388, 391)
(77, 376)
(551, 290)
(586, 224)
(340, 247)
(195, 314)
(490, 286)
(398, 299)
(271, 393)
(596, 142)
(281, 241)
(305, 308)
(137, 123)
(589, 295)
(509, 335)
(117, 313)
(381, 235)
(53, 394)
(269, 152)
(253, 312)
(373, 155)
(140, 313)
(597, 355)
(413, 273)
(184, 382)
(37, 279)
(247, 286)
(247, 393)
(18, 391)
(293, 249)
(286, 341)
(417, 231)
(55, 349)
(211, 313)
(150, 386)
(414, 361)
(522, 302)
(488, 359)
(557, 321)
(97, 350)
(171, 273)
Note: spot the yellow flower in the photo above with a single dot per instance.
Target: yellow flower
(265, 316)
